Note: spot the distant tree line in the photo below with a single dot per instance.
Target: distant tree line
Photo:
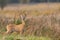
(3, 3)
(29, 1)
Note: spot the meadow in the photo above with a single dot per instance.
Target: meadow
(42, 21)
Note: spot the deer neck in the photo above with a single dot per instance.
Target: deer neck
(23, 22)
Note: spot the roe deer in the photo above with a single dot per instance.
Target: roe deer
(16, 28)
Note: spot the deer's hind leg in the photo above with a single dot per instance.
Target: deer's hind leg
(9, 31)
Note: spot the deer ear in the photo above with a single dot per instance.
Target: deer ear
(24, 16)
(21, 16)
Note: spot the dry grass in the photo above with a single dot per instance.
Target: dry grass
(41, 20)
(42, 8)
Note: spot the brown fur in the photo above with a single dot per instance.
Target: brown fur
(15, 28)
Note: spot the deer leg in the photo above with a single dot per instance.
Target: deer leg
(21, 32)
(8, 31)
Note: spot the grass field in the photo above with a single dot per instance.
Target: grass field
(42, 21)
(18, 37)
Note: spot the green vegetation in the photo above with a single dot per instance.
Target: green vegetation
(18, 21)
(14, 36)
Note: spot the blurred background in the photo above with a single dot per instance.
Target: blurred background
(42, 19)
